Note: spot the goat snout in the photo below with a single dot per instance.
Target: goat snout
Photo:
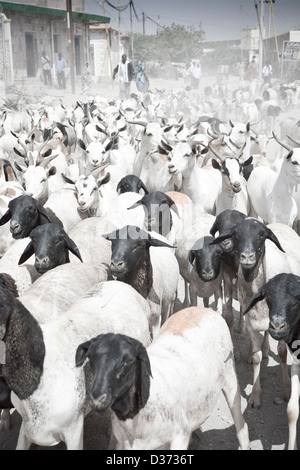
(236, 187)
(278, 328)
(247, 259)
(99, 402)
(15, 227)
(172, 169)
(117, 266)
(42, 264)
(207, 274)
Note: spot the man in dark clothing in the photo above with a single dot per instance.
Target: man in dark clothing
(126, 74)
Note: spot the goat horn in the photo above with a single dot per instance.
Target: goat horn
(140, 123)
(255, 123)
(211, 134)
(219, 156)
(284, 145)
(24, 146)
(294, 140)
(47, 160)
(98, 170)
(43, 145)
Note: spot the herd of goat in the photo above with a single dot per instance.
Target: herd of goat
(106, 207)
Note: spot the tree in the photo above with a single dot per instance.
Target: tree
(176, 43)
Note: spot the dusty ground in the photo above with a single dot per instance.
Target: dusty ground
(267, 425)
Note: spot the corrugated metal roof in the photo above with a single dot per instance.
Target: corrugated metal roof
(6, 6)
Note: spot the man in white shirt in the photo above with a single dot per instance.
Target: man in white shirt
(60, 70)
(46, 67)
(126, 74)
(267, 73)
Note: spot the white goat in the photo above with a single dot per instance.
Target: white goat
(55, 291)
(271, 194)
(167, 396)
(146, 261)
(233, 194)
(200, 184)
(48, 391)
(23, 275)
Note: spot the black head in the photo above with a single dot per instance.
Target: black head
(157, 206)
(130, 247)
(249, 238)
(131, 183)
(282, 295)
(121, 373)
(206, 258)
(24, 213)
(51, 246)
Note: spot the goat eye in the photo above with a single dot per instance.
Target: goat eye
(43, 180)
(295, 163)
(128, 362)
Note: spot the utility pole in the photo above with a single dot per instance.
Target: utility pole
(71, 42)
(261, 40)
(107, 42)
(132, 52)
(119, 30)
(143, 23)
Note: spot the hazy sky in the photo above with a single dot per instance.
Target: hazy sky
(220, 19)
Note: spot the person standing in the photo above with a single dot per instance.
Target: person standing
(267, 73)
(60, 71)
(141, 79)
(126, 74)
(197, 76)
(46, 67)
(252, 70)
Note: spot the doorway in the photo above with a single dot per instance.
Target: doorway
(30, 56)
(77, 55)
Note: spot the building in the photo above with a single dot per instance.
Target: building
(106, 48)
(35, 26)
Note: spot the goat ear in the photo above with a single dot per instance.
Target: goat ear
(271, 236)
(192, 257)
(103, 179)
(110, 236)
(136, 204)
(119, 186)
(158, 243)
(142, 186)
(51, 171)
(44, 216)
(6, 217)
(29, 251)
(214, 228)
(221, 238)
(66, 179)
(248, 161)
(81, 353)
(257, 297)
(81, 144)
(18, 152)
(215, 164)
(143, 376)
(72, 247)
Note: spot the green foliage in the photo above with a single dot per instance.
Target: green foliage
(176, 43)
(220, 56)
